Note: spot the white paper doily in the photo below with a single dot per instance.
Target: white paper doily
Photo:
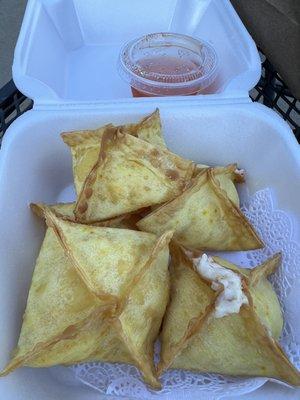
(275, 229)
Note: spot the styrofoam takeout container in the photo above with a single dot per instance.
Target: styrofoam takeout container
(65, 60)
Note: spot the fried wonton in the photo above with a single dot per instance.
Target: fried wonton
(241, 343)
(135, 271)
(65, 322)
(130, 174)
(58, 305)
(128, 337)
(204, 217)
(85, 145)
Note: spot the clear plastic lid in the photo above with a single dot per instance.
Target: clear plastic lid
(166, 64)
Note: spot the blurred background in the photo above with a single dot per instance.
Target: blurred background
(11, 14)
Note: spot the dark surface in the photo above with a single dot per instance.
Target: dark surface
(270, 90)
(11, 15)
(275, 26)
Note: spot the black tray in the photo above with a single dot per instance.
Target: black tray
(270, 90)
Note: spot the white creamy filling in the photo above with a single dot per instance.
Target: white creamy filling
(232, 297)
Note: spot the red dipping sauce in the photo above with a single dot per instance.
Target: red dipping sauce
(167, 64)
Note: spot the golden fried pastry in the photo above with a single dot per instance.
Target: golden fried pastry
(65, 322)
(204, 217)
(223, 319)
(85, 145)
(130, 174)
(134, 269)
(127, 337)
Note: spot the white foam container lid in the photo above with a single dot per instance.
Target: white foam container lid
(65, 60)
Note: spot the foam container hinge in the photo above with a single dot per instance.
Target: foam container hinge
(65, 60)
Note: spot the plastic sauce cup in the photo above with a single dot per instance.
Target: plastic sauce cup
(167, 64)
